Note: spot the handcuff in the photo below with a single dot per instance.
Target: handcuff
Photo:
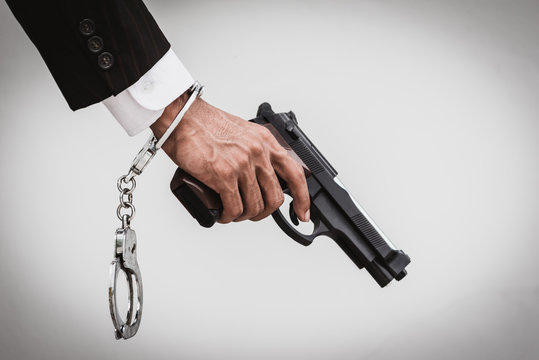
(125, 242)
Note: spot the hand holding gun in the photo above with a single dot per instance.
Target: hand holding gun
(334, 212)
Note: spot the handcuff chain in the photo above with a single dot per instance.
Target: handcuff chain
(126, 210)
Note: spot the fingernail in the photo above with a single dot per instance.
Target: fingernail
(307, 216)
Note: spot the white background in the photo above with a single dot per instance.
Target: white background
(428, 110)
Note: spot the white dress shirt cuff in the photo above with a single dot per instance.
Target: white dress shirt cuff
(138, 106)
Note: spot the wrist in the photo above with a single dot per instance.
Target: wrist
(169, 114)
(173, 114)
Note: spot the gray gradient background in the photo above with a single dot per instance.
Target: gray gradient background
(429, 110)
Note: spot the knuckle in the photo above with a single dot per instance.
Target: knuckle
(280, 198)
(275, 204)
(236, 212)
(242, 161)
(254, 210)
(259, 207)
(256, 148)
(225, 172)
(233, 215)
(232, 205)
(282, 154)
(260, 216)
(276, 199)
(225, 217)
(265, 133)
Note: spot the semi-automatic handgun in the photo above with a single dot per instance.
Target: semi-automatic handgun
(334, 211)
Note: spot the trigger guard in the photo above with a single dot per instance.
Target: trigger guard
(303, 239)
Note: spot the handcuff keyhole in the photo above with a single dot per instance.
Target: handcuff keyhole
(133, 249)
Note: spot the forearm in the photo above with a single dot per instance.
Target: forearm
(64, 33)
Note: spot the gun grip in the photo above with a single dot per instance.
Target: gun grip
(202, 202)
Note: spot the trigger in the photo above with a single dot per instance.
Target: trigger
(292, 214)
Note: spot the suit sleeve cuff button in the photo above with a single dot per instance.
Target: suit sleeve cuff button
(95, 44)
(87, 27)
(105, 60)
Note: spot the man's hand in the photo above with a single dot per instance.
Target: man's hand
(236, 158)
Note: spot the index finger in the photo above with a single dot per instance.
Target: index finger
(292, 172)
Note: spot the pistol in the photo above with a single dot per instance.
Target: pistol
(334, 211)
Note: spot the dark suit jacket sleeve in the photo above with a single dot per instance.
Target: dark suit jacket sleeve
(94, 49)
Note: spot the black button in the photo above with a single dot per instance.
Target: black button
(87, 27)
(95, 44)
(105, 60)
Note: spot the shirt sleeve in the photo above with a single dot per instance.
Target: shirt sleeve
(138, 106)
